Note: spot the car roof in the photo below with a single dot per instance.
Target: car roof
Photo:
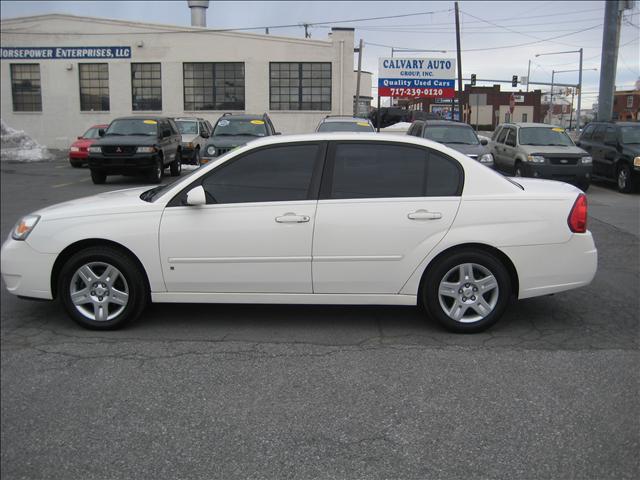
(243, 116)
(613, 124)
(191, 119)
(344, 119)
(446, 123)
(142, 117)
(530, 124)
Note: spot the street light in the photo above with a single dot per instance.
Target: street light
(553, 73)
(579, 79)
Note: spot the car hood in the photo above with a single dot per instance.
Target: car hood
(188, 137)
(469, 149)
(115, 202)
(230, 141)
(530, 149)
(127, 140)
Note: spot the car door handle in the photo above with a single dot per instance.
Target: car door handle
(291, 217)
(424, 215)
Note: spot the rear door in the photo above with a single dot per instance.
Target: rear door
(509, 150)
(597, 150)
(499, 149)
(383, 208)
(609, 153)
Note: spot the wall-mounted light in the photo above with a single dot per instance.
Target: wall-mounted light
(69, 66)
(140, 44)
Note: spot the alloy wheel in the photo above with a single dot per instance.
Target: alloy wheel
(99, 291)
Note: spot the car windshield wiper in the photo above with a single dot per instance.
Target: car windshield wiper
(110, 134)
(461, 143)
(224, 134)
(142, 134)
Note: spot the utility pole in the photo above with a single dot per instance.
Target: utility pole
(459, 65)
(609, 59)
(528, 74)
(579, 96)
(553, 73)
(357, 104)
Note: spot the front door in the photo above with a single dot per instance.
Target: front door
(383, 207)
(254, 234)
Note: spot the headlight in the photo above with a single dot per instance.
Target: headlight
(211, 151)
(486, 158)
(74, 149)
(146, 150)
(636, 162)
(95, 150)
(587, 160)
(23, 228)
(535, 158)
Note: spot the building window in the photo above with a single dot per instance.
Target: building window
(629, 101)
(300, 86)
(524, 117)
(94, 86)
(213, 86)
(146, 86)
(25, 87)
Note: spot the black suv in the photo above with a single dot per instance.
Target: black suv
(615, 149)
(234, 130)
(136, 145)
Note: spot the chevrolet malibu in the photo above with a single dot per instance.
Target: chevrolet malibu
(337, 218)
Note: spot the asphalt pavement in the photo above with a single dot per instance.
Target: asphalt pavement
(276, 392)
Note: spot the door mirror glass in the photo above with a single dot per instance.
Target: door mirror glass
(196, 196)
(101, 132)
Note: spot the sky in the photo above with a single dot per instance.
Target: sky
(486, 29)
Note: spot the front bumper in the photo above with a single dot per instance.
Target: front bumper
(123, 164)
(25, 271)
(575, 174)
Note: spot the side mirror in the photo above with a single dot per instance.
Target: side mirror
(277, 133)
(80, 137)
(100, 132)
(196, 196)
(484, 142)
(204, 135)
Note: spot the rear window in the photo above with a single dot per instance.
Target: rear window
(630, 135)
(451, 134)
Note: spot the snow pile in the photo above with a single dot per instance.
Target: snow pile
(16, 145)
(400, 127)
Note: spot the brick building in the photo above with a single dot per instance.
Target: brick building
(485, 107)
(626, 105)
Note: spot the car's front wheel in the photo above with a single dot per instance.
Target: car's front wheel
(518, 171)
(102, 288)
(624, 179)
(467, 291)
(155, 175)
(98, 177)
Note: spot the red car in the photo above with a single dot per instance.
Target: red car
(79, 150)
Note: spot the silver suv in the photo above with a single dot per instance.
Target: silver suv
(344, 123)
(195, 132)
(541, 151)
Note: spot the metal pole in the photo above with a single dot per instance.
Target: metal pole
(357, 105)
(553, 73)
(609, 60)
(528, 74)
(459, 65)
(573, 92)
(477, 106)
(579, 95)
(378, 116)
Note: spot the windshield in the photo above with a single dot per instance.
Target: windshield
(252, 128)
(187, 127)
(630, 135)
(345, 127)
(450, 134)
(91, 133)
(133, 126)
(544, 136)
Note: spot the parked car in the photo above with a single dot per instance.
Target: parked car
(335, 218)
(234, 130)
(615, 149)
(136, 145)
(195, 132)
(541, 151)
(456, 135)
(79, 150)
(344, 123)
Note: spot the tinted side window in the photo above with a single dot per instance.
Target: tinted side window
(588, 131)
(503, 135)
(384, 171)
(511, 138)
(610, 135)
(598, 135)
(275, 174)
(495, 134)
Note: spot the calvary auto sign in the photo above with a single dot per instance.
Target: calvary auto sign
(417, 77)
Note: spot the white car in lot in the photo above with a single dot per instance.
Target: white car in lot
(339, 218)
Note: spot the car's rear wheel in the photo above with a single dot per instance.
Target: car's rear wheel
(102, 288)
(518, 171)
(75, 163)
(155, 175)
(467, 291)
(624, 179)
(176, 165)
(196, 157)
(98, 177)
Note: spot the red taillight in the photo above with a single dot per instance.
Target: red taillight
(578, 217)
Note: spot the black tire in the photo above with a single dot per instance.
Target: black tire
(130, 280)
(468, 300)
(624, 178)
(196, 157)
(75, 163)
(176, 166)
(156, 172)
(517, 170)
(98, 177)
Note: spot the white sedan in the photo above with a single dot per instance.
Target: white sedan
(347, 218)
